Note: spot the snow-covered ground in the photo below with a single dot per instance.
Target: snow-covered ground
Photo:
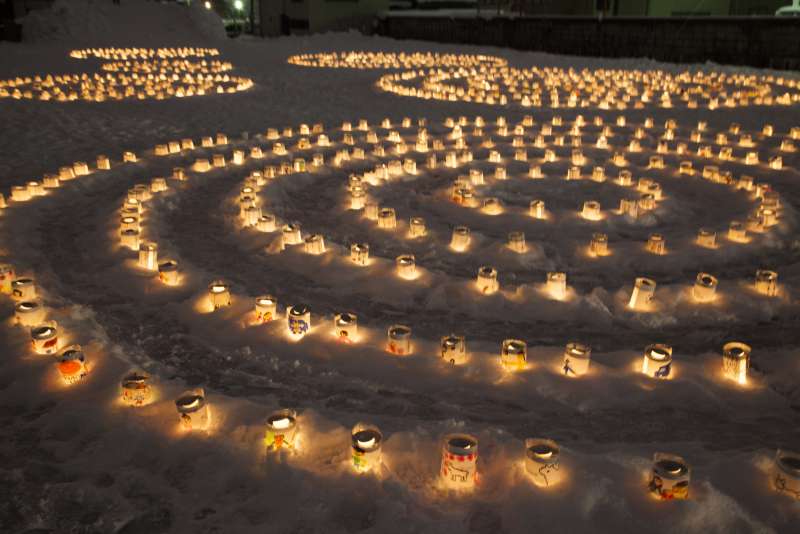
(76, 460)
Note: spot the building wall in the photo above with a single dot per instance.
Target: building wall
(325, 15)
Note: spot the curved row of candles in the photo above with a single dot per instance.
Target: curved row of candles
(542, 458)
(133, 73)
(489, 80)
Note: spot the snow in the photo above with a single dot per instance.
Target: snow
(76, 460)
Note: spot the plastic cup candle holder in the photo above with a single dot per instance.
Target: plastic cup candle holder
(459, 461)
(513, 354)
(416, 227)
(291, 234)
(358, 198)
(736, 361)
(657, 361)
(281, 431)
(398, 340)
(193, 410)
(345, 327)
(148, 256)
(23, 289)
(129, 222)
(766, 282)
(516, 242)
(670, 477)
(266, 223)
(44, 338)
(453, 349)
(537, 209)
(542, 462)
(130, 239)
(737, 232)
(557, 285)
(366, 442)
(266, 309)
(406, 266)
(487, 280)
(599, 245)
(591, 211)
(298, 319)
(644, 290)
(29, 313)
(359, 253)
(656, 244)
(72, 364)
(136, 389)
(576, 360)
(315, 244)
(707, 238)
(705, 287)
(219, 294)
(785, 473)
(168, 272)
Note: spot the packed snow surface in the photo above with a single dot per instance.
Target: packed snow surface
(75, 459)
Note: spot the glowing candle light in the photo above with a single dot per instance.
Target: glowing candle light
(599, 245)
(785, 475)
(736, 361)
(193, 410)
(542, 462)
(291, 234)
(129, 222)
(707, 238)
(29, 313)
(148, 256)
(103, 163)
(219, 294)
(266, 309)
(487, 280)
(345, 327)
(516, 242)
(577, 357)
(513, 354)
(7, 276)
(315, 244)
(406, 266)
(20, 193)
(129, 157)
(50, 181)
(358, 198)
(657, 361)
(136, 389)
(705, 287)
(416, 227)
(72, 364)
(591, 211)
(459, 461)
(737, 232)
(218, 161)
(387, 219)
(44, 338)
(399, 340)
(647, 202)
(281, 431)
(492, 206)
(298, 319)
(670, 477)
(557, 285)
(359, 253)
(537, 209)
(644, 289)
(130, 239)
(266, 223)
(23, 289)
(453, 349)
(168, 272)
(366, 442)
(766, 282)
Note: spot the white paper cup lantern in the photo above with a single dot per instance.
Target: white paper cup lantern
(298, 319)
(193, 410)
(767, 282)
(136, 389)
(251, 215)
(359, 253)
(72, 364)
(158, 185)
(786, 473)
(168, 273)
(406, 266)
(20, 193)
(148, 256)
(358, 198)
(266, 223)
(315, 244)
(44, 338)
(656, 244)
(577, 358)
(387, 219)
(366, 442)
(487, 280)
(736, 361)
(345, 327)
(513, 354)
(219, 294)
(705, 287)
(542, 462)
(416, 227)
(516, 242)
(591, 211)
(399, 340)
(599, 245)
(7, 276)
(557, 285)
(281, 431)
(737, 232)
(460, 239)
(644, 290)
(707, 238)
(453, 349)
(670, 477)
(103, 163)
(266, 309)
(29, 313)
(130, 239)
(23, 289)
(657, 361)
(129, 222)
(459, 461)
(291, 234)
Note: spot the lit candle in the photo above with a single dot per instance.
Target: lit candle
(7, 276)
(29, 313)
(542, 462)
(266, 308)
(460, 239)
(315, 244)
(454, 349)
(736, 361)
(291, 234)
(416, 227)
(387, 219)
(705, 287)
(366, 442)
(44, 338)
(23, 289)
(168, 272)
(767, 282)
(557, 285)
(148, 256)
(599, 245)
(737, 232)
(707, 238)
(72, 364)
(346, 327)
(670, 477)
(514, 354)
(591, 211)
(406, 266)
(359, 253)
(193, 410)
(577, 358)
(657, 361)
(537, 209)
(644, 289)
(136, 390)
(786, 473)
(130, 239)
(399, 340)
(219, 294)
(459, 461)
(516, 242)
(487, 280)
(281, 431)
(298, 318)
(266, 223)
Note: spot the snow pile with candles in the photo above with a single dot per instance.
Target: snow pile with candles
(284, 310)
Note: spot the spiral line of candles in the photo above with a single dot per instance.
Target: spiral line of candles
(133, 73)
(670, 474)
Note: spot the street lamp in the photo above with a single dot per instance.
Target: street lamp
(208, 4)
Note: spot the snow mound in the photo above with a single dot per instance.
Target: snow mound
(131, 23)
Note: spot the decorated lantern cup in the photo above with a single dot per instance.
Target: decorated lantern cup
(670, 477)
(7, 276)
(281, 432)
(345, 327)
(29, 313)
(398, 340)
(644, 289)
(459, 461)
(513, 354)
(72, 364)
(168, 273)
(193, 410)
(219, 294)
(23, 289)
(542, 462)
(298, 318)
(736, 361)
(577, 358)
(44, 338)
(266, 309)
(454, 349)
(487, 280)
(767, 282)
(657, 361)
(136, 389)
(366, 442)
(786, 473)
